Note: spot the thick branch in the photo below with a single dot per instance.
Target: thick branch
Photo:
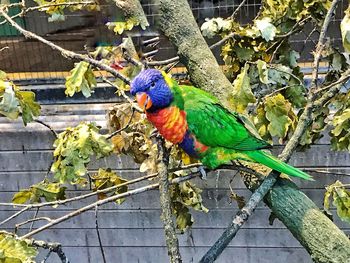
(165, 204)
(132, 9)
(179, 25)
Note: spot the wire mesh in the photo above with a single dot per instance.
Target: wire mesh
(29, 59)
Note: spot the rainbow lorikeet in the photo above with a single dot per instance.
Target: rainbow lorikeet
(200, 125)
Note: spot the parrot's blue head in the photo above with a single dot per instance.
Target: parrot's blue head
(151, 90)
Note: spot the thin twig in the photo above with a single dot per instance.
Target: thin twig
(105, 201)
(163, 62)
(54, 247)
(47, 126)
(99, 236)
(32, 220)
(15, 215)
(109, 189)
(237, 9)
(123, 128)
(33, 8)
(35, 215)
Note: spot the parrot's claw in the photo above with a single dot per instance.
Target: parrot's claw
(203, 173)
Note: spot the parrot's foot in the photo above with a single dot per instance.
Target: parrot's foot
(203, 173)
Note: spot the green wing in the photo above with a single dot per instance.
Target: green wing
(215, 126)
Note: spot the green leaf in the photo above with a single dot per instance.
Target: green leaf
(242, 93)
(263, 71)
(22, 197)
(15, 102)
(106, 179)
(47, 190)
(184, 196)
(296, 95)
(340, 133)
(267, 30)
(29, 107)
(73, 149)
(15, 250)
(341, 200)
(261, 123)
(9, 103)
(212, 27)
(345, 30)
(280, 114)
(243, 53)
(82, 79)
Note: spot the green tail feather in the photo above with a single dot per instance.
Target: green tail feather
(276, 164)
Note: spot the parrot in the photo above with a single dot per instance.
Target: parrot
(198, 123)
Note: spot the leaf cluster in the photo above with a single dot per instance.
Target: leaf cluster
(43, 190)
(73, 150)
(82, 79)
(56, 8)
(105, 178)
(15, 102)
(15, 250)
(134, 139)
(185, 196)
(341, 200)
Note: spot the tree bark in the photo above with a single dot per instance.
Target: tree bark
(132, 9)
(324, 241)
(165, 204)
(178, 24)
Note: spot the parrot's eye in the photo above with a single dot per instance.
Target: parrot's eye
(152, 86)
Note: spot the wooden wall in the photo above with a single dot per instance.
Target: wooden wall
(132, 232)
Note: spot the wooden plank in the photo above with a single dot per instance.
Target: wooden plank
(250, 238)
(218, 179)
(320, 157)
(40, 161)
(141, 219)
(212, 199)
(189, 255)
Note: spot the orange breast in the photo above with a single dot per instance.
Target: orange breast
(170, 122)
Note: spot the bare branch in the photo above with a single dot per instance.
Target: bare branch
(31, 221)
(105, 201)
(165, 204)
(237, 9)
(14, 215)
(33, 8)
(47, 126)
(99, 236)
(54, 247)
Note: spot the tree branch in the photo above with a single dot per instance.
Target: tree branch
(271, 179)
(187, 38)
(66, 53)
(165, 204)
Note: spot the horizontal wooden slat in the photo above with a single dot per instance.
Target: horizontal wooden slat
(189, 254)
(218, 179)
(213, 199)
(319, 156)
(155, 237)
(135, 219)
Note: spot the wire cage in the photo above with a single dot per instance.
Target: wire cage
(29, 59)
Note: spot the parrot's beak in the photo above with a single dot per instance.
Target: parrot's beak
(143, 100)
